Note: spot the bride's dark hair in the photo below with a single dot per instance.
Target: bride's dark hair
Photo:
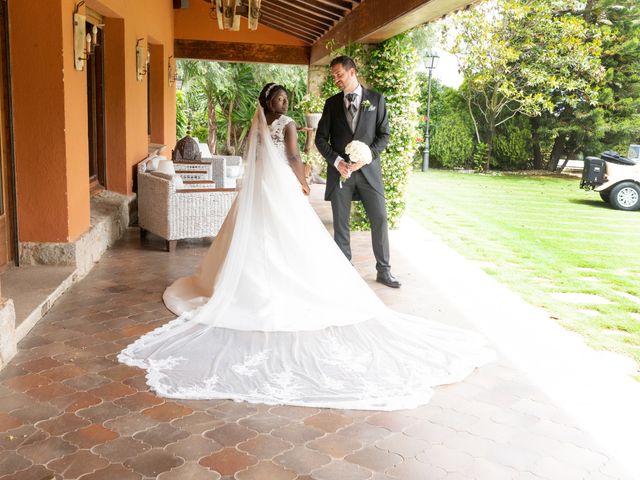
(268, 92)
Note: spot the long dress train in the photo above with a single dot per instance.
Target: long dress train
(276, 314)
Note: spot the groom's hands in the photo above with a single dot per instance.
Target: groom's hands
(344, 168)
(354, 167)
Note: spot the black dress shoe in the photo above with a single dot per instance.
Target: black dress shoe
(387, 279)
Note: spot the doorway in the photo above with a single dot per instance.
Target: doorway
(96, 107)
(7, 238)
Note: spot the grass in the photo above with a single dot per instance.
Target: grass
(544, 238)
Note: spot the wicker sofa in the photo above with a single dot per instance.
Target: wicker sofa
(175, 209)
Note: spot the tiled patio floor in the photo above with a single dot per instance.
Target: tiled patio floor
(69, 410)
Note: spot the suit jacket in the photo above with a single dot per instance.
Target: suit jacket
(334, 133)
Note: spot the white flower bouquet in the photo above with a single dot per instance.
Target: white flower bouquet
(359, 152)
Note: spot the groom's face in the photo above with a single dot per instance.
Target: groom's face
(346, 80)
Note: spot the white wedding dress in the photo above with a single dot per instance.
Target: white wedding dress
(276, 314)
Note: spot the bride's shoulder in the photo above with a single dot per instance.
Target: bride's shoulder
(284, 120)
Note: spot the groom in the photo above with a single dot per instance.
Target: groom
(356, 114)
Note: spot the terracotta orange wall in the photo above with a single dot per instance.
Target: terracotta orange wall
(115, 104)
(195, 23)
(76, 132)
(44, 193)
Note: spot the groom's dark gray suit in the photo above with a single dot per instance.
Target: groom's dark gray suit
(333, 134)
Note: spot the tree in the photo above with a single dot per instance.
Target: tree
(523, 57)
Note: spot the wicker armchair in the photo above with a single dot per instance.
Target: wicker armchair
(227, 169)
(175, 210)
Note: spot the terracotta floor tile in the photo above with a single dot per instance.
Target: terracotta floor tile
(339, 469)
(403, 445)
(34, 411)
(42, 452)
(266, 470)
(328, 421)
(374, 459)
(112, 472)
(198, 422)
(294, 413)
(112, 391)
(391, 421)
(36, 472)
(120, 373)
(12, 462)
(139, 383)
(190, 471)
(167, 412)
(26, 382)
(120, 449)
(46, 393)
(265, 447)
(77, 464)
(12, 439)
(102, 412)
(297, 433)
(367, 434)
(233, 411)
(7, 422)
(86, 382)
(230, 434)
(411, 468)
(337, 446)
(13, 401)
(153, 463)
(264, 422)
(302, 460)
(65, 423)
(161, 435)
(90, 436)
(130, 424)
(40, 364)
(11, 371)
(194, 447)
(64, 372)
(139, 401)
(76, 401)
(228, 461)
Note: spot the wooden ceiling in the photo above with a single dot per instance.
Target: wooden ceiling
(307, 20)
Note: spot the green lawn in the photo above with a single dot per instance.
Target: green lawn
(543, 237)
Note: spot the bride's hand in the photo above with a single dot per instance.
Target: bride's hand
(306, 189)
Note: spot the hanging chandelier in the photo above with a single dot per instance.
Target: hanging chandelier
(228, 13)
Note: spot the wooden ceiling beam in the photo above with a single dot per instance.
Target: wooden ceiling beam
(324, 7)
(305, 10)
(322, 23)
(241, 52)
(317, 28)
(288, 28)
(377, 20)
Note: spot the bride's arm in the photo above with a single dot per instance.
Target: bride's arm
(293, 155)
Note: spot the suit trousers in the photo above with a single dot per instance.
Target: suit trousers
(375, 206)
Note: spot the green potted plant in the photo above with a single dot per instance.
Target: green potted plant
(312, 106)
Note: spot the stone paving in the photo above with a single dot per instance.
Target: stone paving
(69, 410)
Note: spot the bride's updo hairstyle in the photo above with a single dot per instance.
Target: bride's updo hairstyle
(269, 91)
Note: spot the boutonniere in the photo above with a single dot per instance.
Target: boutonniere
(366, 106)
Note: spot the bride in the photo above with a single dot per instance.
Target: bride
(276, 314)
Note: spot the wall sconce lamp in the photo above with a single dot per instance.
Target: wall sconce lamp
(173, 70)
(79, 38)
(84, 43)
(142, 60)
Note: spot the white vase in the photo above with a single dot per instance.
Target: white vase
(312, 119)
